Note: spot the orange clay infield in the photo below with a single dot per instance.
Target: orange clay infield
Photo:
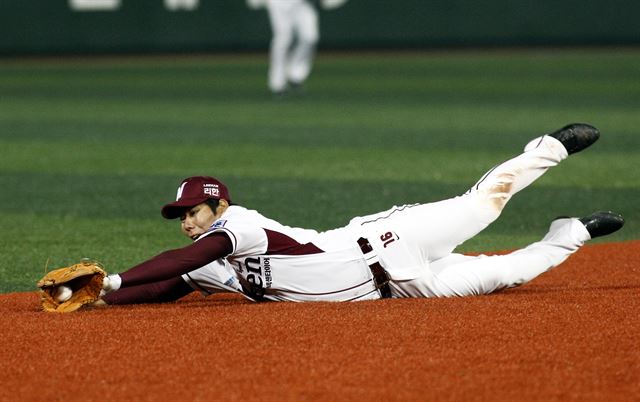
(570, 335)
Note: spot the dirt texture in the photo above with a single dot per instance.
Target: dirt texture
(572, 334)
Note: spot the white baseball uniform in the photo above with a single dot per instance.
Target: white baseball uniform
(294, 25)
(414, 244)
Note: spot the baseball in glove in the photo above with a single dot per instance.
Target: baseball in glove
(83, 280)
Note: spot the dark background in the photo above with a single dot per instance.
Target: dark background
(149, 26)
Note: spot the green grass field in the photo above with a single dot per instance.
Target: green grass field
(92, 148)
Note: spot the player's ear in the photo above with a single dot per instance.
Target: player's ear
(222, 205)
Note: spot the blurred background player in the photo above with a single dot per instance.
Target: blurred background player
(295, 33)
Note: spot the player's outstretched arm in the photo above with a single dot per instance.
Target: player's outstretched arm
(172, 264)
(156, 292)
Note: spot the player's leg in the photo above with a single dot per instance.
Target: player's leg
(301, 56)
(499, 184)
(282, 36)
(433, 230)
(487, 274)
(459, 275)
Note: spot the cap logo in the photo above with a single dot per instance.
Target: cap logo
(180, 189)
(211, 189)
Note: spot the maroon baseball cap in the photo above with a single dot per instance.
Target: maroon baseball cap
(193, 191)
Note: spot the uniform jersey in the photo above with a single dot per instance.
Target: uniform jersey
(272, 261)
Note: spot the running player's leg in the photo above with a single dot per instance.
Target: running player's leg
(282, 36)
(301, 56)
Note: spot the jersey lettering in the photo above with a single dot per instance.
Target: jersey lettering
(388, 238)
(254, 280)
(258, 275)
(253, 265)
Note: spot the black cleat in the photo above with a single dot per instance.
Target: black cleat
(602, 223)
(576, 137)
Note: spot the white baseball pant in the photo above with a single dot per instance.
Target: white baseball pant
(291, 20)
(446, 224)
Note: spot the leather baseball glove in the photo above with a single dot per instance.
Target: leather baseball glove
(84, 280)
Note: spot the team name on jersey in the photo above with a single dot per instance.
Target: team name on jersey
(256, 273)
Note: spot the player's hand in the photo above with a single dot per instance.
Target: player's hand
(110, 284)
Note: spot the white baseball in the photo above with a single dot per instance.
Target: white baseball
(63, 293)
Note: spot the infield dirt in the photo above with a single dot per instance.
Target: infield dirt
(571, 335)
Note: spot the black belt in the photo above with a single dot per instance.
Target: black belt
(380, 276)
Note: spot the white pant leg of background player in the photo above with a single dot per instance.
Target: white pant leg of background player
(460, 275)
(305, 26)
(435, 229)
(280, 17)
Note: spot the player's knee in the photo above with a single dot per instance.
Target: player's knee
(485, 207)
(498, 201)
(310, 38)
(500, 191)
(496, 191)
(281, 41)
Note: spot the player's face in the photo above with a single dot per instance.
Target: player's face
(197, 220)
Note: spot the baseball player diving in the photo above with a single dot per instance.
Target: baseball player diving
(405, 251)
